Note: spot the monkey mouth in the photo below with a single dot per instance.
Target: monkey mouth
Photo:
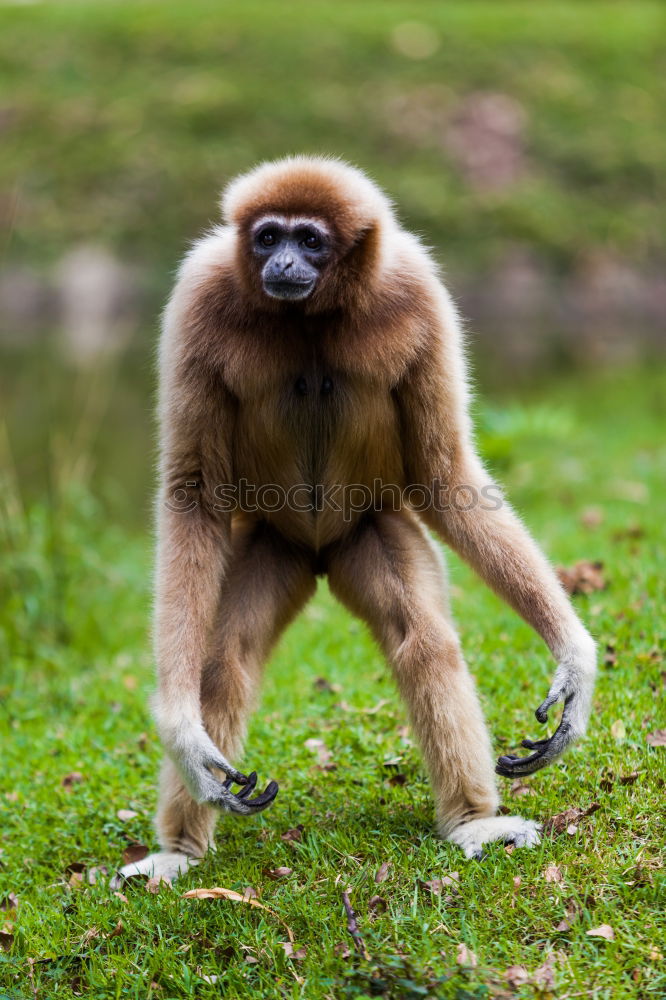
(291, 290)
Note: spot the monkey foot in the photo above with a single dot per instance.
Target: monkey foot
(163, 864)
(473, 835)
(240, 802)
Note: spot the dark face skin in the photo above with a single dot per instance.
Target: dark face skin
(291, 254)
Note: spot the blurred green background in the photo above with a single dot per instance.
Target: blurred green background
(525, 142)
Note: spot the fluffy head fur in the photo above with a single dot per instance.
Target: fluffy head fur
(358, 213)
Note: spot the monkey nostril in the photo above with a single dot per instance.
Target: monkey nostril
(327, 385)
(301, 386)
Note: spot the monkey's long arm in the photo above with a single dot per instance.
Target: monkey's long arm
(192, 551)
(439, 449)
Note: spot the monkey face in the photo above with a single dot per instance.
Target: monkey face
(291, 253)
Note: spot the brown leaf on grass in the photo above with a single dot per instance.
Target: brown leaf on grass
(319, 748)
(288, 948)
(250, 893)
(118, 929)
(6, 940)
(218, 892)
(135, 852)
(122, 897)
(76, 880)
(437, 885)
(398, 779)
(584, 577)
(602, 931)
(276, 873)
(125, 815)
(517, 975)
(377, 904)
(382, 872)
(544, 975)
(618, 730)
(629, 779)
(9, 902)
(610, 656)
(657, 738)
(342, 950)
(553, 874)
(321, 684)
(74, 778)
(563, 927)
(592, 517)
(465, 957)
(90, 935)
(519, 788)
(142, 741)
(295, 835)
(95, 873)
(570, 817)
(154, 884)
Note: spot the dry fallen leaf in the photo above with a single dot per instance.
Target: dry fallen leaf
(568, 818)
(602, 931)
(377, 904)
(553, 874)
(9, 902)
(629, 779)
(437, 885)
(657, 738)
(288, 948)
(74, 778)
(135, 852)
(544, 975)
(218, 892)
(6, 940)
(342, 950)
(519, 788)
(592, 517)
(94, 873)
(295, 834)
(618, 730)
(465, 957)
(563, 927)
(319, 748)
(153, 884)
(584, 577)
(382, 872)
(118, 929)
(276, 873)
(124, 815)
(517, 975)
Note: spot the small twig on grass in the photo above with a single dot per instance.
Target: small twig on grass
(352, 927)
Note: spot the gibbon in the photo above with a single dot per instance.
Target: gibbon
(314, 420)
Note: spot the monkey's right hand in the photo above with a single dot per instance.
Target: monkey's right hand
(194, 754)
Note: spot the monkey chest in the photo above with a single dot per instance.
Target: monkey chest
(317, 427)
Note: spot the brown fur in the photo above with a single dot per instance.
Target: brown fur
(381, 326)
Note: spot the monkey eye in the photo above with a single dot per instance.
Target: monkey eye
(268, 238)
(312, 242)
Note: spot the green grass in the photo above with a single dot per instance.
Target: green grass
(75, 675)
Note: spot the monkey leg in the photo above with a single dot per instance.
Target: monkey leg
(268, 582)
(388, 573)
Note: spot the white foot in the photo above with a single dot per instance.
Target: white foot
(473, 835)
(164, 864)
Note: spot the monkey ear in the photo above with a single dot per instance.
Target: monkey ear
(365, 250)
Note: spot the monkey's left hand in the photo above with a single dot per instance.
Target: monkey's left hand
(573, 683)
